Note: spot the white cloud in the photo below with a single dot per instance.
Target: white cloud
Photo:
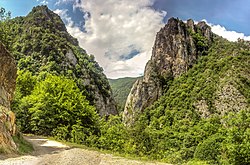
(68, 21)
(43, 2)
(229, 35)
(114, 29)
(60, 2)
(62, 13)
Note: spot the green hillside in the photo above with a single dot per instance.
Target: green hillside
(121, 88)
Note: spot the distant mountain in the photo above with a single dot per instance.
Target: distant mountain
(40, 43)
(121, 88)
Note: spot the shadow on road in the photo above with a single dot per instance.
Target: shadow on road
(44, 146)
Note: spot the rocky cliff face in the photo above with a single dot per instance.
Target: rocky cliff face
(177, 48)
(7, 86)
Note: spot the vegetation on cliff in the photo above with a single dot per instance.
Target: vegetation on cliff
(190, 122)
(177, 48)
(53, 106)
(40, 43)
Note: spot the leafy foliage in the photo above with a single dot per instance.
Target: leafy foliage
(55, 107)
(201, 42)
(4, 17)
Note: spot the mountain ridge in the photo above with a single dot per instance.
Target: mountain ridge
(54, 50)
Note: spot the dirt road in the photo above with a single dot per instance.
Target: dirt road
(48, 152)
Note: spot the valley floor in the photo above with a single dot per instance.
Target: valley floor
(48, 152)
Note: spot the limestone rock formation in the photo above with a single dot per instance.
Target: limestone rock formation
(7, 86)
(177, 48)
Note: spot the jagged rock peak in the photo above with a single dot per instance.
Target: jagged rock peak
(7, 86)
(176, 49)
(43, 17)
(41, 14)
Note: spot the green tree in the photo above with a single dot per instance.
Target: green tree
(114, 135)
(4, 16)
(56, 107)
(236, 147)
(25, 84)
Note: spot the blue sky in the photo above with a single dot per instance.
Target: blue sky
(18, 7)
(121, 33)
(234, 15)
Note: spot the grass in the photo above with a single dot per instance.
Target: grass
(102, 151)
(24, 146)
(3, 150)
(196, 162)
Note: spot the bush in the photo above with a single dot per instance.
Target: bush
(55, 107)
(209, 149)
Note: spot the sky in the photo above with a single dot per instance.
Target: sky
(121, 33)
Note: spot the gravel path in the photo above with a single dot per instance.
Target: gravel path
(48, 152)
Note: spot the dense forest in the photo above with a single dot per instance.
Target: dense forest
(52, 99)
